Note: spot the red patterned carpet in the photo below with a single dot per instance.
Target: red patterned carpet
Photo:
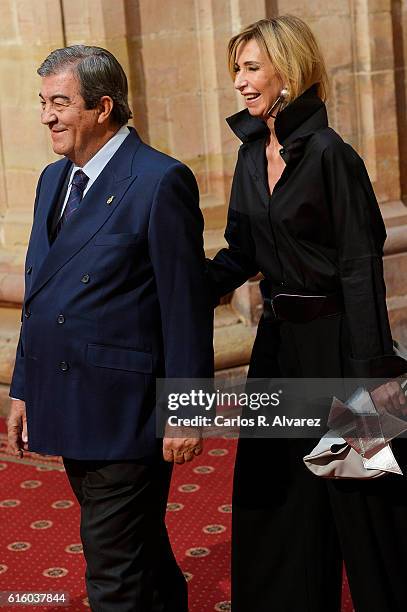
(40, 548)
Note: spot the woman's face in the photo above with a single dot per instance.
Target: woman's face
(256, 79)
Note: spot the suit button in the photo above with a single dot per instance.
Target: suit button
(85, 278)
(61, 319)
(27, 314)
(64, 366)
(29, 270)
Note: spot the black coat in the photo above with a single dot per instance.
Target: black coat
(319, 232)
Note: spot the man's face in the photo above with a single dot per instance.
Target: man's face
(73, 128)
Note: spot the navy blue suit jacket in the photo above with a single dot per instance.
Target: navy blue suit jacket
(117, 300)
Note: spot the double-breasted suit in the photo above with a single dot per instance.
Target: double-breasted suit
(115, 301)
(115, 297)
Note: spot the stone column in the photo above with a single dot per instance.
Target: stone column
(28, 32)
(188, 93)
(396, 246)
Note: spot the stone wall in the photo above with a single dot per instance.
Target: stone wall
(175, 56)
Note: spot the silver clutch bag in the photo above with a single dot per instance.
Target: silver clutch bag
(358, 444)
(335, 458)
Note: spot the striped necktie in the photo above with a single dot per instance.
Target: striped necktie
(79, 182)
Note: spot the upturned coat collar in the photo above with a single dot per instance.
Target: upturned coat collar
(302, 117)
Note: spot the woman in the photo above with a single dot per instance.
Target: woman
(303, 213)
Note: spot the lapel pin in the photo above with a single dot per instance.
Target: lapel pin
(110, 200)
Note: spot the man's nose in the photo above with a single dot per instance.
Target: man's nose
(48, 115)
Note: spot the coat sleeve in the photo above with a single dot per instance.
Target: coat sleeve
(17, 387)
(175, 238)
(234, 265)
(360, 234)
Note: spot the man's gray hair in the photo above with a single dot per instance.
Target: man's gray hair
(99, 74)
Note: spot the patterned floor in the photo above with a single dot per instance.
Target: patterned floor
(40, 548)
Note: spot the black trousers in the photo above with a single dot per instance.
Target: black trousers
(292, 530)
(130, 564)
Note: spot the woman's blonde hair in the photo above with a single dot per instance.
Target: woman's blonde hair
(293, 51)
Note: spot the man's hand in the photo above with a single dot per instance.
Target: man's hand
(17, 428)
(390, 398)
(181, 445)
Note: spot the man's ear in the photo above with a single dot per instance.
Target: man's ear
(105, 108)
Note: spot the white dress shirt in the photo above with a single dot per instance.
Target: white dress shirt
(95, 165)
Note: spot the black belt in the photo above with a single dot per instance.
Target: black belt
(298, 308)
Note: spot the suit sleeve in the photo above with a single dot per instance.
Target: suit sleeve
(175, 238)
(360, 235)
(17, 387)
(18, 379)
(234, 265)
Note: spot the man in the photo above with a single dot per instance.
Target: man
(115, 297)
